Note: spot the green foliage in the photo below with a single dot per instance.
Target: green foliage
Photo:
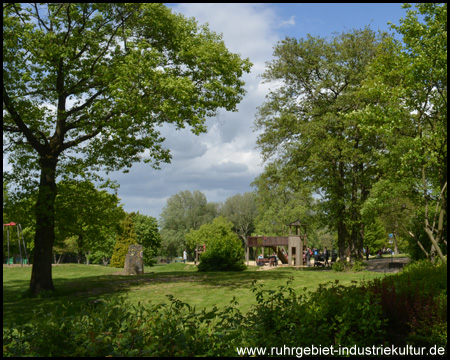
(126, 238)
(147, 235)
(241, 210)
(409, 308)
(417, 229)
(160, 67)
(310, 126)
(183, 212)
(408, 85)
(344, 265)
(281, 199)
(415, 303)
(91, 215)
(87, 87)
(375, 236)
(224, 250)
(18, 208)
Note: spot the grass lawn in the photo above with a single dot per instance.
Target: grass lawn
(79, 284)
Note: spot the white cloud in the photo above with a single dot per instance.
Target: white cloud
(289, 22)
(223, 161)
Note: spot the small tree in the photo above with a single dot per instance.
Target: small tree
(124, 240)
(375, 236)
(147, 235)
(224, 251)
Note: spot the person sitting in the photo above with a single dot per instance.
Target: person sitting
(259, 262)
(274, 259)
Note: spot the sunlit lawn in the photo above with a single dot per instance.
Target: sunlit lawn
(79, 284)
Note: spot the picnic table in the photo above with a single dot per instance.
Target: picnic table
(271, 261)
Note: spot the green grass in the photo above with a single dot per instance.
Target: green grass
(79, 284)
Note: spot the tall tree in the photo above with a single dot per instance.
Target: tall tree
(87, 213)
(147, 233)
(310, 127)
(408, 84)
(183, 212)
(85, 87)
(281, 199)
(241, 210)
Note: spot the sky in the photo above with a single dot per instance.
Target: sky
(224, 161)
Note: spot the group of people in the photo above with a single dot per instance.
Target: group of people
(308, 253)
(273, 257)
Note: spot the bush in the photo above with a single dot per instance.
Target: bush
(415, 304)
(116, 328)
(331, 315)
(343, 265)
(224, 251)
(391, 310)
(123, 241)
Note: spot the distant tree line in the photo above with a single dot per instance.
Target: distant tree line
(91, 226)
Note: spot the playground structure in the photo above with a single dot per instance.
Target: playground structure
(296, 244)
(9, 260)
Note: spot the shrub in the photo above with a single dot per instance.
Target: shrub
(116, 328)
(344, 265)
(341, 265)
(224, 251)
(123, 241)
(415, 304)
(383, 311)
(331, 315)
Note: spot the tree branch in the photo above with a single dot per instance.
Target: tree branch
(32, 139)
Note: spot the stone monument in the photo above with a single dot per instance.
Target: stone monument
(134, 260)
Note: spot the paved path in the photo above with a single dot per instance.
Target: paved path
(382, 265)
(374, 264)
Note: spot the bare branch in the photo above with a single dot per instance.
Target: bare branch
(40, 21)
(86, 104)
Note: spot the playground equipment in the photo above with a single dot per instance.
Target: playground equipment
(296, 244)
(9, 260)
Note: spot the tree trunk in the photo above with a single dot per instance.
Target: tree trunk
(396, 252)
(428, 228)
(41, 274)
(340, 214)
(80, 249)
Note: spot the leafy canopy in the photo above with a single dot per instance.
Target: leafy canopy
(91, 83)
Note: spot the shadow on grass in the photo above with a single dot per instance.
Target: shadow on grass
(18, 307)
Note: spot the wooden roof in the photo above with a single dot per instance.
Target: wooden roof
(296, 223)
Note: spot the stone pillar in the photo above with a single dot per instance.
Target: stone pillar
(134, 260)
